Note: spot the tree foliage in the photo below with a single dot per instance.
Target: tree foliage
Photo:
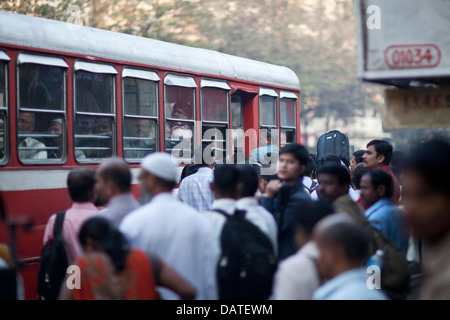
(315, 38)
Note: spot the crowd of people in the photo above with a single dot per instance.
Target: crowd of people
(316, 224)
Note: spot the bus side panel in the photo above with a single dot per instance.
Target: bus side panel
(39, 205)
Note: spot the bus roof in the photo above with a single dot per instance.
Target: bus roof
(59, 36)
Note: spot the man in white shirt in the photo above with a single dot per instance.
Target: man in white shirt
(226, 188)
(35, 149)
(256, 213)
(297, 276)
(172, 230)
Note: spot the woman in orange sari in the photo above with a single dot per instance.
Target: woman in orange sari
(111, 270)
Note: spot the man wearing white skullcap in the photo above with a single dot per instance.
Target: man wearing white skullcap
(170, 229)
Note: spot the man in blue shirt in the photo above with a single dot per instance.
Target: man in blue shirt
(376, 191)
(342, 245)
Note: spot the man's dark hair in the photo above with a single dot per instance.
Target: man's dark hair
(382, 148)
(300, 153)
(351, 237)
(118, 172)
(337, 170)
(327, 158)
(108, 238)
(311, 213)
(345, 161)
(188, 170)
(80, 183)
(357, 174)
(431, 159)
(380, 177)
(311, 166)
(226, 177)
(330, 157)
(359, 156)
(249, 178)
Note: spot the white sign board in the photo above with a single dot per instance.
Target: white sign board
(403, 39)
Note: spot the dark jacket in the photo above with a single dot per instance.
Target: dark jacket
(283, 208)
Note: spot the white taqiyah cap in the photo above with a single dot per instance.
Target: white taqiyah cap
(161, 165)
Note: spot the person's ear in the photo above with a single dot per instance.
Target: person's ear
(381, 159)
(381, 191)
(111, 186)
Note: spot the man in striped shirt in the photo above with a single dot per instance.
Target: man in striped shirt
(195, 189)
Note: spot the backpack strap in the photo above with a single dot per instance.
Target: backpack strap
(237, 212)
(57, 228)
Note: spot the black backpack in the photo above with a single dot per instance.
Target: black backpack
(334, 142)
(53, 265)
(247, 263)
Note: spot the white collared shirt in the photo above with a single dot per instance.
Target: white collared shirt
(260, 217)
(217, 220)
(179, 235)
(38, 151)
(297, 277)
(255, 213)
(349, 285)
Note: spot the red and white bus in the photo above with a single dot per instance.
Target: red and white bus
(71, 96)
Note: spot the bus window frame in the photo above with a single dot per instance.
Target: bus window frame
(6, 143)
(62, 111)
(112, 116)
(263, 91)
(155, 119)
(211, 124)
(292, 96)
(194, 115)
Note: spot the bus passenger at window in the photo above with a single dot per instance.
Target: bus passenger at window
(142, 129)
(27, 124)
(103, 126)
(180, 130)
(56, 127)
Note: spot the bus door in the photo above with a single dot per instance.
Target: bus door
(241, 104)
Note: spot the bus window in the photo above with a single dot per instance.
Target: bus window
(94, 111)
(41, 87)
(140, 105)
(179, 104)
(41, 108)
(268, 111)
(3, 107)
(268, 127)
(214, 106)
(288, 117)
